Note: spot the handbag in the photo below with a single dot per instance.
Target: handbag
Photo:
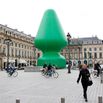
(90, 82)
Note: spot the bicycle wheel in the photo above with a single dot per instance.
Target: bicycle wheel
(55, 75)
(43, 73)
(9, 75)
(15, 74)
(46, 75)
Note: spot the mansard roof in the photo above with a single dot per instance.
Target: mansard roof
(91, 40)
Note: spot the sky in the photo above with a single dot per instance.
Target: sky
(81, 18)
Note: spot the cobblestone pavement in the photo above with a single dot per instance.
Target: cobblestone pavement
(32, 87)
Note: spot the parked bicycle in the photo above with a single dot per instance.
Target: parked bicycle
(11, 72)
(94, 73)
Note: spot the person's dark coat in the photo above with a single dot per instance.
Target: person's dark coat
(84, 75)
(45, 65)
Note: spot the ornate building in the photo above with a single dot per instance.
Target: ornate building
(21, 49)
(87, 50)
(92, 50)
(73, 52)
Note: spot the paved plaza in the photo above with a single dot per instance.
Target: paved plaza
(32, 87)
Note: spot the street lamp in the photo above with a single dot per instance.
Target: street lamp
(69, 40)
(8, 42)
(19, 61)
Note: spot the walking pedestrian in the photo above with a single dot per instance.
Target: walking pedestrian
(84, 76)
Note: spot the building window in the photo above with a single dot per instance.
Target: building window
(19, 53)
(15, 44)
(22, 54)
(95, 49)
(6, 32)
(15, 52)
(75, 50)
(100, 48)
(90, 55)
(100, 55)
(90, 49)
(95, 55)
(22, 45)
(28, 54)
(85, 49)
(19, 45)
(85, 55)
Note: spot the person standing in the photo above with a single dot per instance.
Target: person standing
(97, 67)
(49, 69)
(69, 67)
(44, 68)
(84, 76)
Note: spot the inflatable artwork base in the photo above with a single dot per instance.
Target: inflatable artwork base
(53, 59)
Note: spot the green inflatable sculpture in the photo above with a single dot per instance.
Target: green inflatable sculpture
(50, 39)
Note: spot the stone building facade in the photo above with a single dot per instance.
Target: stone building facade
(92, 50)
(87, 50)
(21, 50)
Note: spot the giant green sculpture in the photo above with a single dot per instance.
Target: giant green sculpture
(50, 39)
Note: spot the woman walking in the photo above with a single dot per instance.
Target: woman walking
(84, 76)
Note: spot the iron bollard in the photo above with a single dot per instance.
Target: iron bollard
(100, 99)
(62, 100)
(17, 100)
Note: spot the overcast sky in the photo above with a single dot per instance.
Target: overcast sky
(81, 18)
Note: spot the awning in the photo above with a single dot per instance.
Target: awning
(10, 60)
(22, 61)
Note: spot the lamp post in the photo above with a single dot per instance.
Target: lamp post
(19, 61)
(34, 58)
(69, 40)
(8, 42)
